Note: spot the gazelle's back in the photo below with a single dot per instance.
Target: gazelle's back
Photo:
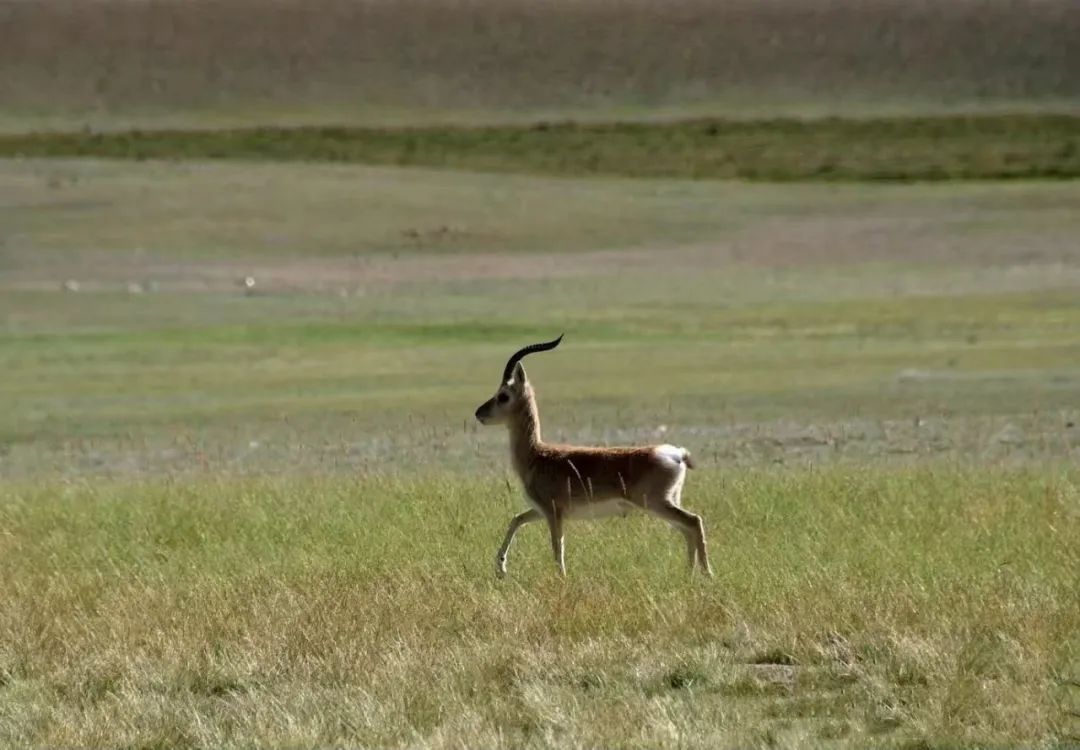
(570, 474)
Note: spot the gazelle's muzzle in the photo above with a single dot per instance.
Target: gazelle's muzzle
(483, 412)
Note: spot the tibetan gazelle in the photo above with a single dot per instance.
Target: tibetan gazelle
(567, 482)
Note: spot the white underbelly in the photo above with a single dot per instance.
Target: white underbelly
(587, 510)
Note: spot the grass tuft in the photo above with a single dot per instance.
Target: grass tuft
(774, 656)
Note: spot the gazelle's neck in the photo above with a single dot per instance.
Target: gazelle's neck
(525, 432)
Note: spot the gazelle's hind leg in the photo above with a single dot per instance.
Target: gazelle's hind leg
(691, 548)
(692, 528)
(663, 498)
(675, 498)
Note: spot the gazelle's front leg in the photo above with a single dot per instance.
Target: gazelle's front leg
(515, 523)
(555, 526)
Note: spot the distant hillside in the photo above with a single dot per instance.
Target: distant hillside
(245, 61)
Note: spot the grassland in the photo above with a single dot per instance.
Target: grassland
(941, 148)
(239, 518)
(931, 607)
(262, 516)
(161, 63)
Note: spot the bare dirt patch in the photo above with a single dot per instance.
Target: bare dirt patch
(1025, 259)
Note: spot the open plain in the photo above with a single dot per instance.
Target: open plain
(243, 500)
(238, 517)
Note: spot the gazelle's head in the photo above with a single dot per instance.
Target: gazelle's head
(513, 388)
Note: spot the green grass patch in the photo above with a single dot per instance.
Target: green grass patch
(898, 149)
(282, 384)
(753, 323)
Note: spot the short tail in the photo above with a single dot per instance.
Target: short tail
(674, 454)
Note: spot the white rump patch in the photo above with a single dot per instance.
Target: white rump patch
(671, 453)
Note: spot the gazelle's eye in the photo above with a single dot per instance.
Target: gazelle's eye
(502, 398)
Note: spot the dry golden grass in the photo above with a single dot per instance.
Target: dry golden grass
(931, 608)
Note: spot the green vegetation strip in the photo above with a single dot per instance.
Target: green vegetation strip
(898, 149)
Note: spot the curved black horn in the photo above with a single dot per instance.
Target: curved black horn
(508, 373)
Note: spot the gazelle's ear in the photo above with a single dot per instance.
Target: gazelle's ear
(520, 378)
